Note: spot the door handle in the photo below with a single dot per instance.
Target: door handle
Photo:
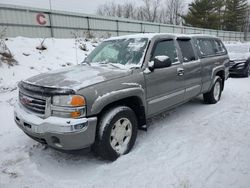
(180, 71)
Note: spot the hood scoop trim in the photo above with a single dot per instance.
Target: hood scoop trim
(49, 91)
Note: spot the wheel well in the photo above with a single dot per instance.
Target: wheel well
(134, 103)
(221, 74)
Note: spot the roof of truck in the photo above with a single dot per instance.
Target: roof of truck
(151, 35)
(139, 35)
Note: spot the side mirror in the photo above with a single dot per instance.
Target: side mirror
(160, 62)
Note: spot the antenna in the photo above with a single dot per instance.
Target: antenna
(76, 42)
(76, 51)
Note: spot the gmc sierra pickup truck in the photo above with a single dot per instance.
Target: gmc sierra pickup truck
(102, 102)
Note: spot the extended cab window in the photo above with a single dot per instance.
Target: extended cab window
(220, 48)
(210, 47)
(166, 48)
(186, 50)
(206, 47)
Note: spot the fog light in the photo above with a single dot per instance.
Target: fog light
(56, 141)
(80, 126)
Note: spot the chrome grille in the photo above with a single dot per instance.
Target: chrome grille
(33, 103)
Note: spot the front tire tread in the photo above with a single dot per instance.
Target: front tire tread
(102, 145)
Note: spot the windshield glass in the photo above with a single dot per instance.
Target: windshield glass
(120, 52)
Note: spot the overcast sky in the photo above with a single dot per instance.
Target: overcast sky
(83, 6)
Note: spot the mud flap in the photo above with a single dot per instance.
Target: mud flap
(143, 128)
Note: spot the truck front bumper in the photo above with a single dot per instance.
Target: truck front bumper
(59, 133)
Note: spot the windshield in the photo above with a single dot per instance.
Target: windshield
(119, 52)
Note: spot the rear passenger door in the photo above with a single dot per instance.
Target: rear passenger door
(192, 68)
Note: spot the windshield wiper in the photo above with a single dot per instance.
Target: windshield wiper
(109, 63)
(114, 65)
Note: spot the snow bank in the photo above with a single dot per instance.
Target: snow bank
(60, 53)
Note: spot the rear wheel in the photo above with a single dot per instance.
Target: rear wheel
(116, 134)
(213, 96)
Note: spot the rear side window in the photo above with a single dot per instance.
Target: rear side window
(186, 50)
(210, 47)
(166, 48)
(206, 47)
(220, 48)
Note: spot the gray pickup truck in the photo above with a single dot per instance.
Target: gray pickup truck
(101, 103)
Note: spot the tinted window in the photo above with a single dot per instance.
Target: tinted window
(220, 48)
(206, 47)
(187, 50)
(166, 48)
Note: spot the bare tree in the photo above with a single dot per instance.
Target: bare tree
(128, 10)
(163, 16)
(119, 10)
(107, 9)
(174, 10)
(151, 10)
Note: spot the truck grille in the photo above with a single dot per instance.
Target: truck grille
(35, 104)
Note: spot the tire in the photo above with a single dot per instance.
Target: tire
(214, 95)
(247, 72)
(116, 133)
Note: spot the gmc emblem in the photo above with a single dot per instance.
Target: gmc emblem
(25, 100)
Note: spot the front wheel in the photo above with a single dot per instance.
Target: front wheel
(213, 96)
(116, 134)
(247, 71)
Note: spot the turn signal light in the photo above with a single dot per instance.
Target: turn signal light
(77, 101)
(75, 114)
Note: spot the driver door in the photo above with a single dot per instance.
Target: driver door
(165, 86)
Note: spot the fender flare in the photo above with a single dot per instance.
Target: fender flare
(102, 101)
(214, 72)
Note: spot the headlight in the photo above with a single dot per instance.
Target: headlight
(69, 106)
(68, 100)
(241, 65)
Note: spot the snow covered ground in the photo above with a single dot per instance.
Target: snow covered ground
(193, 146)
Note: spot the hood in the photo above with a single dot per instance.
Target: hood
(78, 76)
(239, 56)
